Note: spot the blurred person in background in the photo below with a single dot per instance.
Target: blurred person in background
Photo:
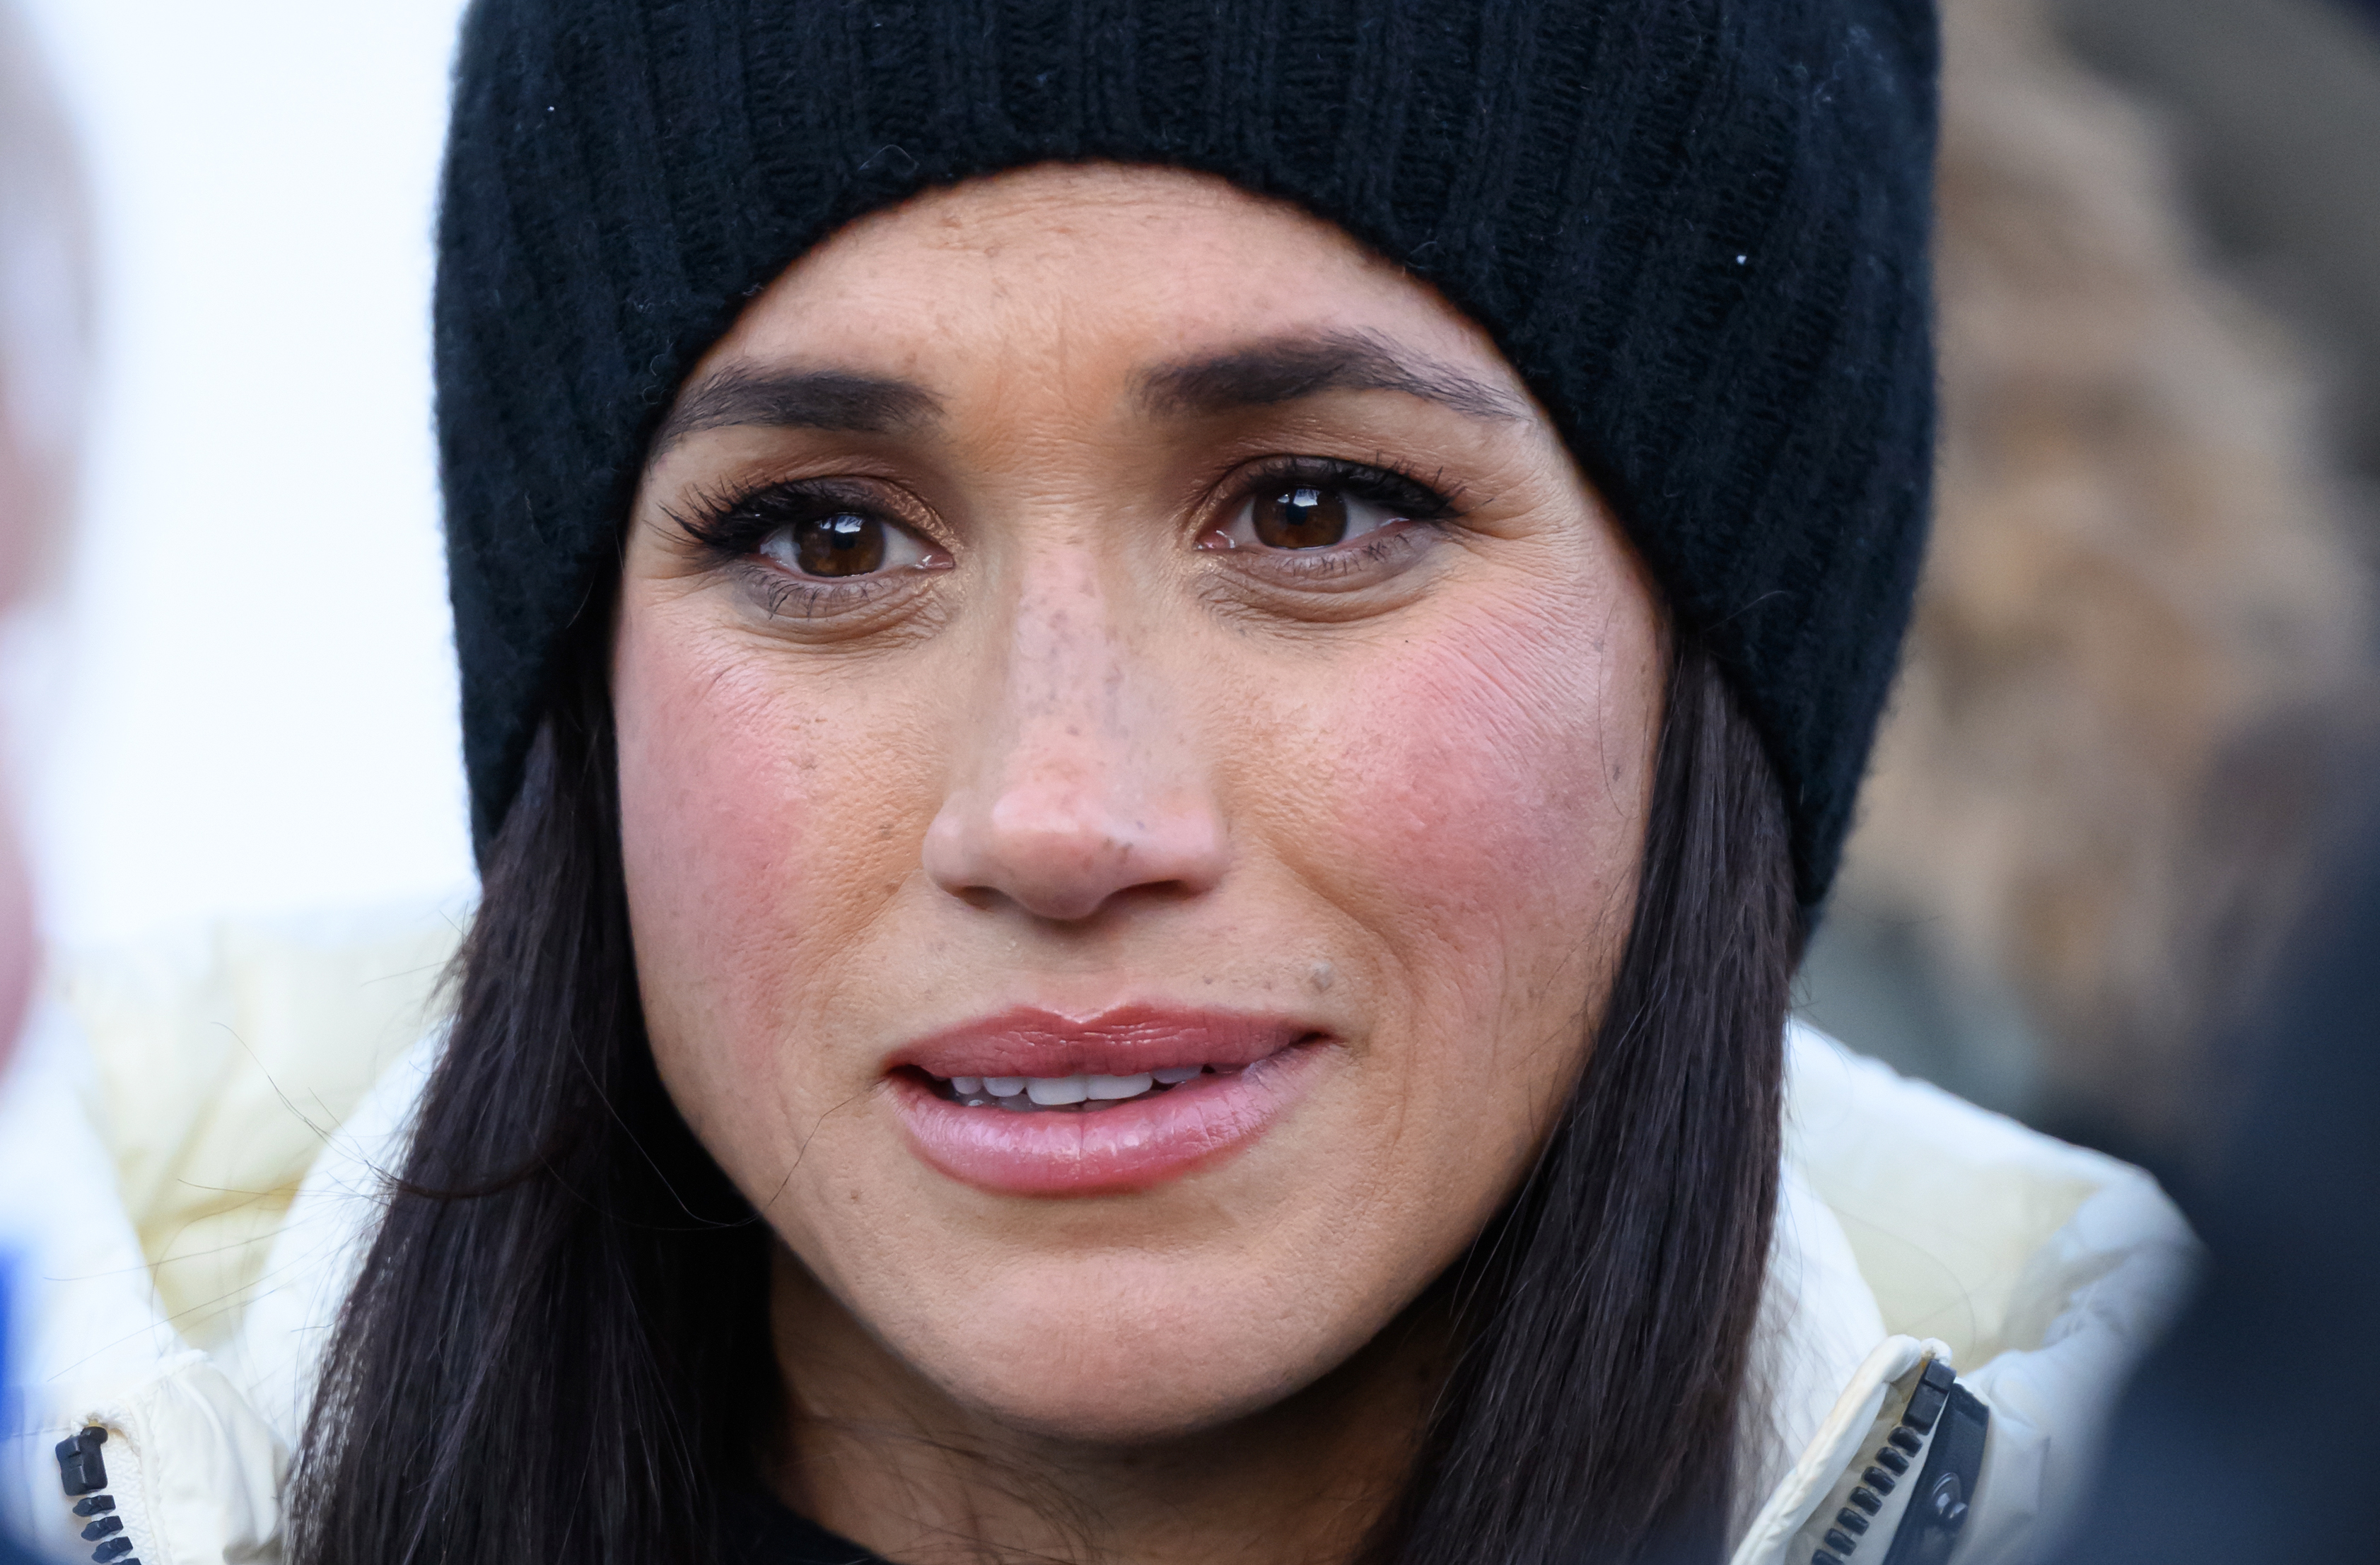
(43, 349)
(2140, 649)
(2248, 1436)
(90, 1343)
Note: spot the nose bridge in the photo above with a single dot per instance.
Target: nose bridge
(1078, 782)
(1070, 698)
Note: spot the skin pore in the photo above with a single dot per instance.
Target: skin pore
(1093, 593)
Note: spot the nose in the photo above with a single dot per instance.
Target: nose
(1079, 785)
(1065, 844)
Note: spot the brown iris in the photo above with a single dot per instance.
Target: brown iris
(843, 544)
(1302, 517)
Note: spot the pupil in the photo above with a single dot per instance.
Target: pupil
(1303, 518)
(840, 545)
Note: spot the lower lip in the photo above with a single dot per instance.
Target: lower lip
(1135, 1144)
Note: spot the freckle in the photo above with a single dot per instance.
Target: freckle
(1320, 975)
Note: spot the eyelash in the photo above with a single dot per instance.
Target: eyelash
(1381, 481)
(730, 525)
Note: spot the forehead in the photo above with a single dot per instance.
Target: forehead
(1075, 269)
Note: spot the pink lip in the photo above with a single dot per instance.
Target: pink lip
(1131, 1146)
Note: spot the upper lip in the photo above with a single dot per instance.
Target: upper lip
(1125, 1040)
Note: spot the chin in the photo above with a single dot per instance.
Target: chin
(1116, 1359)
(1128, 1396)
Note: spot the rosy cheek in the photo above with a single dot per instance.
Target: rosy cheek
(709, 807)
(720, 801)
(1480, 809)
(1482, 778)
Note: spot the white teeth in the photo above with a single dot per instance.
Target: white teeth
(1060, 1092)
(1051, 1091)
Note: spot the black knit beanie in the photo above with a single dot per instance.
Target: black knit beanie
(1697, 230)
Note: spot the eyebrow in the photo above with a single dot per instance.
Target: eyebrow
(1284, 369)
(795, 399)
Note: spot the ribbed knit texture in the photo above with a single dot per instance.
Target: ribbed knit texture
(1696, 228)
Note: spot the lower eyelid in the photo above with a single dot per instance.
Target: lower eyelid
(1347, 557)
(780, 588)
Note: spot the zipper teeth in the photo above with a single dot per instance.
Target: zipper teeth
(82, 1473)
(1897, 1460)
(1850, 1526)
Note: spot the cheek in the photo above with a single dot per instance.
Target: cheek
(713, 807)
(757, 832)
(1481, 812)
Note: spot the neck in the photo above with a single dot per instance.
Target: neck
(878, 1454)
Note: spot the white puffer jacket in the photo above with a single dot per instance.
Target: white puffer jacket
(189, 1156)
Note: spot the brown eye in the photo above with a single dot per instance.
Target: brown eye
(843, 544)
(817, 538)
(1302, 516)
(1298, 513)
(840, 545)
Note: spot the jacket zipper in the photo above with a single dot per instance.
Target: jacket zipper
(84, 1474)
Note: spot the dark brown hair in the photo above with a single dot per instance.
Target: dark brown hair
(557, 1347)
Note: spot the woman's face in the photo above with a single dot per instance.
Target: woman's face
(1134, 745)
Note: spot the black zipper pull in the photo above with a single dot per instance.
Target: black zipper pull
(80, 1467)
(83, 1471)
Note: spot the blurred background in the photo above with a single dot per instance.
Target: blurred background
(241, 698)
(2141, 661)
(2140, 671)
